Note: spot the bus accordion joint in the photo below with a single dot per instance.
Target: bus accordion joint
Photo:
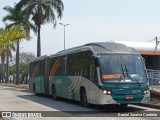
(112, 76)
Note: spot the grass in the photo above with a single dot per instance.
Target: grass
(155, 96)
(155, 101)
(24, 86)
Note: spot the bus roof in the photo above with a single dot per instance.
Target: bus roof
(108, 47)
(39, 58)
(100, 48)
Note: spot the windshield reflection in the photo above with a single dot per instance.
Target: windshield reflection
(122, 68)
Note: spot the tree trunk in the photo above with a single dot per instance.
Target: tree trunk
(3, 69)
(39, 42)
(17, 63)
(7, 70)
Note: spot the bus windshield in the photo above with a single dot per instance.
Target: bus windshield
(122, 68)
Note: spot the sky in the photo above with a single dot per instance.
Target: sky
(95, 21)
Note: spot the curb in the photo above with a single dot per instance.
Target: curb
(148, 105)
(155, 94)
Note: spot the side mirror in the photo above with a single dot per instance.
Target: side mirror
(144, 61)
(96, 62)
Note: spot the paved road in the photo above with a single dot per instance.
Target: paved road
(14, 99)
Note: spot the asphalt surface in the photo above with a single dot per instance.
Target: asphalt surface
(23, 103)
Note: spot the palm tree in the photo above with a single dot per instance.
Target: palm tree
(1, 52)
(18, 17)
(5, 53)
(42, 11)
(7, 38)
(2, 60)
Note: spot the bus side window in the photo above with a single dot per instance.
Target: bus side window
(93, 73)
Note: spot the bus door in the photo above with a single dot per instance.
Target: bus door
(93, 82)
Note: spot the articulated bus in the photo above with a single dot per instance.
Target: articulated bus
(96, 73)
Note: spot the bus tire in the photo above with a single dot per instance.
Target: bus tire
(54, 93)
(83, 98)
(34, 90)
(123, 105)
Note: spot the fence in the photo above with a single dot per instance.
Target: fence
(153, 77)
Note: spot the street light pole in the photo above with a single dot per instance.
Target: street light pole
(64, 25)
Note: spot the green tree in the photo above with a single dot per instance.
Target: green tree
(2, 52)
(42, 11)
(18, 17)
(25, 59)
(7, 37)
(0, 72)
(7, 51)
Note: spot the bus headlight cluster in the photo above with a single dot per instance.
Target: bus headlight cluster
(107, 92)
(146, 91)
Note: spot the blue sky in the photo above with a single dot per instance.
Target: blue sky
(97, 20)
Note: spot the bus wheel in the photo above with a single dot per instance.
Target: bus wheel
(34, 90)
(124, 105)
(54, 93)
(83, 98)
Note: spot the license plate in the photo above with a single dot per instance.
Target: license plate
(129, 97)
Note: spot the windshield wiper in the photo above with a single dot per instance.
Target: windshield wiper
(122, 73)
(126, 70)
(131, 76)
(124, 76)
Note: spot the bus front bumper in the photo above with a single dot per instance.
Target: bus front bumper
(119, 99)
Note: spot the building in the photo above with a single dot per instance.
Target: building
(150, 51)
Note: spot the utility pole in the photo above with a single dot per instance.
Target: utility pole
(64, 25)
(157, 42)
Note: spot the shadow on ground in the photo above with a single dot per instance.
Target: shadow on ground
(74, 107)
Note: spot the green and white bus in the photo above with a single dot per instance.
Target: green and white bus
(95, 73)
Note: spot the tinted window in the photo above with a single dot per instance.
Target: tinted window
(36, 69)
(56, 67)
(78, 64)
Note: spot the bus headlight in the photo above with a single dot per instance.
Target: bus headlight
(146, 91)
(107, 92)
